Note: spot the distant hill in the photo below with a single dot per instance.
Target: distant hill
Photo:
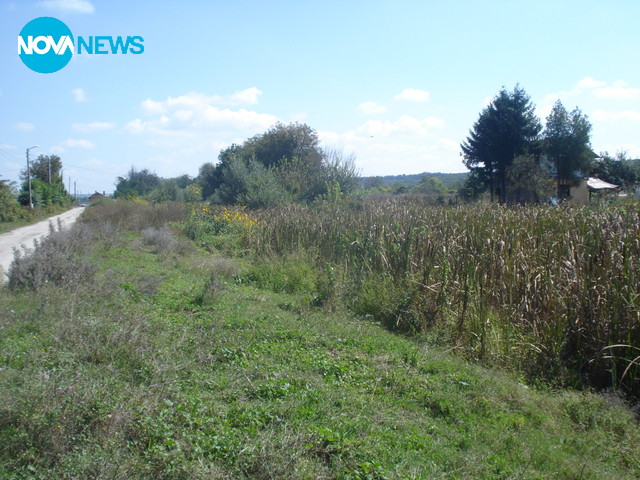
(412, 180)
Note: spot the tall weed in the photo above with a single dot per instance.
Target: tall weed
(58, 259)
(541, 289)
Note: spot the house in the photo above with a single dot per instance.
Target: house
(582, 192)
(96, 196)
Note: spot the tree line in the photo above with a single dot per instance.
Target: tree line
(512, 156)
(509, 154)
(280, 166)
(46, 189)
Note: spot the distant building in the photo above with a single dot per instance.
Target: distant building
(581, 193)
(96, 196)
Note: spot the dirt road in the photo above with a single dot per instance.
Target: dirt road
(25, 235)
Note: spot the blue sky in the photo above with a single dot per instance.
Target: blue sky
(397, 83)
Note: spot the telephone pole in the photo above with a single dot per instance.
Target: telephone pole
(29, 174)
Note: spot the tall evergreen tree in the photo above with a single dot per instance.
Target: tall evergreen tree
(567, 144)
(506, 129)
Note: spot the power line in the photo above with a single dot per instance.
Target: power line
(66, 164)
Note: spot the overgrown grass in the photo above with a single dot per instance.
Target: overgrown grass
(29, 216)
(170, 365)
(554, 293)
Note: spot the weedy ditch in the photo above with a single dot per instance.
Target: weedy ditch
(171, 363)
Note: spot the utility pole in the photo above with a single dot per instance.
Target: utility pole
(29, 175)
(49, 158)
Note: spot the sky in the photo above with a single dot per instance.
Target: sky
(398, 84)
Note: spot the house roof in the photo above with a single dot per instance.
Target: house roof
(597, 184)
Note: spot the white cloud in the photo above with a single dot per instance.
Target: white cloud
(24, 126)
(73, 143)
(403, 145)
(93, 127)
(194, 100)
(74, 6)
(413, 95)
(628, 115)
(248, 96)
(589, 83)
(405, 125)
(617, 92)
(371, 108)
(183, 115)
(79, 95)
(298, 117)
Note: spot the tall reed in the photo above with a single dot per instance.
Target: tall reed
(553, 292)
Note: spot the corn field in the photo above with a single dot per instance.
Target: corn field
(551, 292)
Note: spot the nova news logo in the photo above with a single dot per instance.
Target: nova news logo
(46, 45)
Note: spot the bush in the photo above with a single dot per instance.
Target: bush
(293, 273)
(58, 259)
(163, 240)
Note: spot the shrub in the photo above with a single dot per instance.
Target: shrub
(163, 240)
(293, 273)
(59, 259)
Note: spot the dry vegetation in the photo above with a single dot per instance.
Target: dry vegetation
(552, 292)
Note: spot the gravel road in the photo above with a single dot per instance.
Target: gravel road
(25, 235)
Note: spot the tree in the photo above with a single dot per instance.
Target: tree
(284, 143)
(46, 168)
(136, 184)
(9, 207)
(567, 144)
(506, 129)
(528, 181)
(373, 182)
(47, 187)
(289, 159)
(430, 186)
(619, 170)
(249, 183)
(339, 171)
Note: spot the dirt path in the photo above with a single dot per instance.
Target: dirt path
(25, 235)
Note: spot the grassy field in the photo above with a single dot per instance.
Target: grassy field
(133, 352)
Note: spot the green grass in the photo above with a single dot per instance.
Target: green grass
(32, 216)
(171, 366)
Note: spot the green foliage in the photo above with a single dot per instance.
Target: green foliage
(46, 168)
(44, 194)
(179, 189)
(528, 182)
(281, 166)
(10, 210)
(618, 170)
(292, 273)
(430, 186)
(284, 142)
(251, 184)
(507, 128)
(136, 184)
(567, 143)
(47, 187)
